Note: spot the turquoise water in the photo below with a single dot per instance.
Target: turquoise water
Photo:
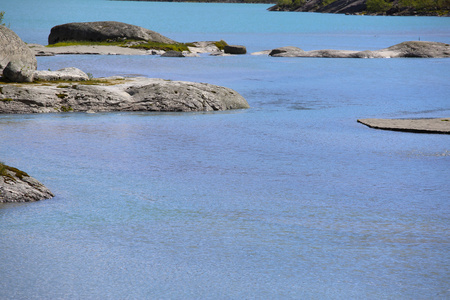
(290, 199)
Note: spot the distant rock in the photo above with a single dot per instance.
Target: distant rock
(431, 125)
(118, 94)
(405, 49)
(235, 49)
(172, 53)
(18, 186)
(71, 74)
(17, 61)
(392, 7)
(103, 31)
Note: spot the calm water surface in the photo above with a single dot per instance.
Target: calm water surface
(290, 199)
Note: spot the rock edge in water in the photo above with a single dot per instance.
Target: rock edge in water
(117, 94)
(435, 125)
(406, 49)
(18, 186)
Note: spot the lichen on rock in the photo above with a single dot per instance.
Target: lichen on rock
(18, 186)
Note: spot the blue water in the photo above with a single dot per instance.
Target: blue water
(290, 199)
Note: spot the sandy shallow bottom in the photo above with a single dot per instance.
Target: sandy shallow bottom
(437, 125)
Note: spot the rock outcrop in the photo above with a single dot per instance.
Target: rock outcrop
(235, 49)
(405, 49)
(434, 125)
(68, 74)
(117, 94)
(338, 7)
(104, 31)
(17, 61)
(18, 186)
(391, 7)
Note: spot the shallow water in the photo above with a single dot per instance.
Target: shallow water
(291, 198)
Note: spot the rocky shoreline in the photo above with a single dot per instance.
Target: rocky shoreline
(432, 125)
(18, 186)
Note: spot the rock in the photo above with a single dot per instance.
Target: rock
(16, 56)
(338, 6)
(405, 49)
(436, 125)
(118, 94)
(421, 49)
(288, 51)
(185, 96)
(18, 71)
(235, 49)
(172, 53)
(18, 186)
(71, 74)
(103, 31)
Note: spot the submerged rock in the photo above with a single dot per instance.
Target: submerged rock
(17, 61)
(117, 94)
(405, 49)
(18, 186)
(103, 31)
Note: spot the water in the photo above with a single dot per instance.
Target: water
(291, 198)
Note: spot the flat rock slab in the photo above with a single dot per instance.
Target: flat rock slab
(437, 125)
(117, 94)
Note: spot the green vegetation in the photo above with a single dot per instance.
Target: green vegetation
(5, 174)
(290, 4)
(161, 46)
(221, 44)
(2, 15)
(426, 5)
(61, 96)
(378, 6)
(66, 109)
(327, 2)
(6, 99)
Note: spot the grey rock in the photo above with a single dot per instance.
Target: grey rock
(13, 49)
(102, 31)
(18, 186)
(118, 94)
(172, 53)
(18, 71)
(235, 49)
(71, 74)
(405, 49)
(288, 51)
